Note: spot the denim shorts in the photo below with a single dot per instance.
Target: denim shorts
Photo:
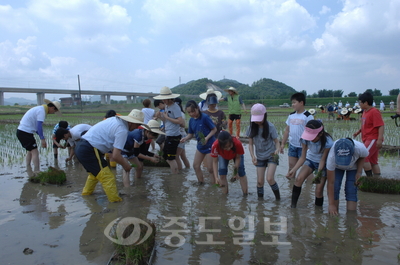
(265, 162)
(223, 166)
(294, 151)
(314, 166)
(349, 188)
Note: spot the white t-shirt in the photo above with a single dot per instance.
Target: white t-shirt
(148, 114)
(76, 132)
(297, 123)
(359, 151)
(108, 134)
(29, 121)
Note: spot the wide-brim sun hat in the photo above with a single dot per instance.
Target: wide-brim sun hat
(135, 116)
(231, 89)
(312, 111)
(154, 126)
(357, 110)
(55, 103)
(344, 111)
(257, 112)
(211, 91)
(165, 93)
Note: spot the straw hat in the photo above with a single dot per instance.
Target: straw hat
(231, 89)
(358, 110)
(165, 93)
(334, 103)
(136, 116)
(344, 111)
(211, 91)
(154, 126)
(55, 103)
(312, 111)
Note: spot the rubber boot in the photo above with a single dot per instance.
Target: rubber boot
(238, 128)
(260, 192)
(90, 185)
(107, 180)
(319, 201)
(295, 195)
(277, 194)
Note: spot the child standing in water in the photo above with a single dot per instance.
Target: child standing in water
(316, 144)
(202, 127)
(262, 134)
(224, 149)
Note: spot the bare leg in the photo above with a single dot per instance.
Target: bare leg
(243, 184)
(209, 160)
(184, 159)
(292, 162)
(173, 165)
(376, 169)
(224, 183)
(351, 206)
(178, 158)
(34, 154)
(198, 159)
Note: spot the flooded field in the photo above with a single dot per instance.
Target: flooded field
(195, 224)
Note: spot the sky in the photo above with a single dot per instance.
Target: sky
(132, 45)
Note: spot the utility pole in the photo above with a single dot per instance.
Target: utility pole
(80, 95)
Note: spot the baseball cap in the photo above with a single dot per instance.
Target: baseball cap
(257, 112)
(344, 150)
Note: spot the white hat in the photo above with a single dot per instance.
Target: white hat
(344, 111)
(231, 89)
(312, 111)
(334, 103)
(165, 93)
(154, 126)
(136, 116)
(211, 91)
(357, 110)
(55, 103)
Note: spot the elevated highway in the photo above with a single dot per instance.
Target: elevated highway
(105, 95)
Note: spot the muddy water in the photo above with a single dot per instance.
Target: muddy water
(62, 227)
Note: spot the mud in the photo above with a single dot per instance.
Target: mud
(59, 226)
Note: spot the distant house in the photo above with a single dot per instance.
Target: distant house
(70, 101)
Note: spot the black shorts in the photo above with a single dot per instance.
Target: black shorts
(86, 155)
(233, 117)
(170, 147)
(27, 140)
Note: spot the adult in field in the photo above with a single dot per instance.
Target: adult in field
(31, 123)
(235, 104)
(107, 135)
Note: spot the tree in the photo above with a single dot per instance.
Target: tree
(304, 92)
(352, 94)
(375, 92)
(394, 92)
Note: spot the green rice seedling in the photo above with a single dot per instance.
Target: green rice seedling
(200, 134)
(136, 253)
(379, 185)
(51, 176)
(317, 178)
(275, 157)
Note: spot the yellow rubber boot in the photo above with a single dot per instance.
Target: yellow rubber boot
(90, 185)
(107, 180)
(113, 164)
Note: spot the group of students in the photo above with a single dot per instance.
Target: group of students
(311, 148)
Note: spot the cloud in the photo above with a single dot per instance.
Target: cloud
(324, 10)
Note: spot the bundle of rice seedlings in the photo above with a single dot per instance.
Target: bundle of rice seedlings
(317, 178)
(202, 137)
(161, 163)
(135, 254)
(51, 176)
(275, 157)
(379, 185)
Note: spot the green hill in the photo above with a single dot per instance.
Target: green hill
(264, 88)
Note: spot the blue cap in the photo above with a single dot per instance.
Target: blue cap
(344, 150)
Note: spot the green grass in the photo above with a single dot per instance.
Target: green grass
(51, 176)
(379, 185)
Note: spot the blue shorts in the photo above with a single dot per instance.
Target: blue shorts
(294, 151)
(349, 188)
(314, 166)
(265, 162)
(223, 166)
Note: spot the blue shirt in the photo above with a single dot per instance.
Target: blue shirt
(313, 151)
(202, 124)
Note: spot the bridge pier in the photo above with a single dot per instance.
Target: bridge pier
(40, 98)
(103, 99)
(129, 99)
(1, 98)
(108, 99)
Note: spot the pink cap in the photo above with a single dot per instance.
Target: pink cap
(310, 134)
(257, 112)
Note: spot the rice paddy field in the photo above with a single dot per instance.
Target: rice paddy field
(50, 224)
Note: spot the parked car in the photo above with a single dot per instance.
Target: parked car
(285, 105)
